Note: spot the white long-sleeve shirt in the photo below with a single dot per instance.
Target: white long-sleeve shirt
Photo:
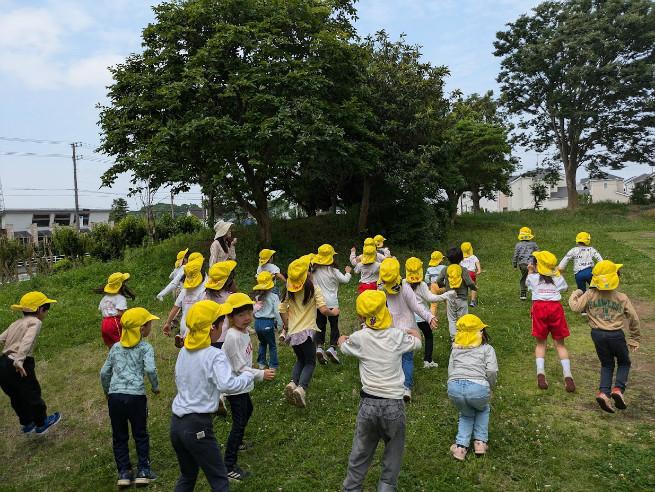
(370, 272)
(176, 277)
(238, 348)
(583, 257)
(402, 307)
(424, 296)
(186, 299)
(379, 258)
(328, 279)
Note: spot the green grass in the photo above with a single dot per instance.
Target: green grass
(539, 440)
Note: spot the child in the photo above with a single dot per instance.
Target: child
(238, 349)
(583, 260)
(218, 288)
(369, 241)
(454, 278)
(176, 276)
(608, 312)
(414, 276)
(222, 249)
(431, 274)
(113, 305)
(379, 244)
(327, 276)
(201, 374)
(192, 292)
(368, 266)
(17, 375)
(523, 256)
(548, 315)
(472, 264)
(403, 305)
(300, 300)
(266, 265)
(266, 319)
(472, 372)
(122, 382)
(381, 412)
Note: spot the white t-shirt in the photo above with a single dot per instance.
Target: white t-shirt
(186, 299)
(111, 304)
(238, 348)
(542, 291)
(271, 268)
(469, 263)
(328, 279)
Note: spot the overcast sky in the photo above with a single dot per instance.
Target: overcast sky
(54, 56)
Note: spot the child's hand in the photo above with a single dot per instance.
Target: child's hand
(559, 269)
(348, 269)
(530, 268)
(260, 303)
(342, 339)
(156, 392)
(433, 324)
(160, 298)
(269, 374)
(436, 322)
(167, 329)
(20, 370)
(414, 333)
(353, 250)
(633, 348)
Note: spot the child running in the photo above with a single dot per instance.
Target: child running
(548, 316)
(266, 318)
(454, 278)
(609, 311)
(113, 305)
(122, 382)
(192, 292)
(583, 261)
(326, 275)
(523, 256)
(219, 287)
(381, 412)
(369, 241)
(472, 372)
(367, 266)
(379, 244)
(176, 276)
(472, 264)
(431, 274)
(17, 375)
(266, 265)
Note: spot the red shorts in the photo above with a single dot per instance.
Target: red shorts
(111, 330)
(548, 317)
(473, 277)
(371, 286)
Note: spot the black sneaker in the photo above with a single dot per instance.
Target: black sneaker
(237, 474)
(144, 476)
(244, 446)
(125, 478)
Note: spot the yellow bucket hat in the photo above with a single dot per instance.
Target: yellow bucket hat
(546, 263)
(264, 281)
(454, 276)
(325, 255)
(31, 301)
(525, 234)
(413, 270)
(265, 255)
(193, 274)
(218, 274)
(379, 240)
(180, 257)
(467, 249)
(372, 305)
(369, 255)
(199, 320)
(132, 321)
(239, 299)
(297, 273)
(390, 275)
(583, 237)
(469, 328)
(435, 258)
(369, 241)
(115, 281)
(196, 256)
(605, 275)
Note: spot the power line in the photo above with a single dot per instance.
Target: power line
(32, 154)
(34, 140)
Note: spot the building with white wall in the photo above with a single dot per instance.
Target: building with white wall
(609, 188)
(35, 224)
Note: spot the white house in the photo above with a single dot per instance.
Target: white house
(630, 183)
(609, 188)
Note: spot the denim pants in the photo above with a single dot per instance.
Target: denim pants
(472, 401)
(24, 393)
(611, 345)
(424, 326)
(265, 330)
(195, 445)
(305, 363)
(321, 323)
(377, 419)
(127, 409)
(241, 409)
(456, 309)
(582, 278)
(407, 363)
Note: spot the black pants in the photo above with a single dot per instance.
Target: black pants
(24, 393)
(427, 333)
(195, 445)
(321, 323)
(133, 410)
(241, 409)
(524, 276)
(305, 363)
(611, 345)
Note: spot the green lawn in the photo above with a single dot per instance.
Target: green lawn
(539, 440)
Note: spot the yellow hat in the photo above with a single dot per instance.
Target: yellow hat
(218, 274)
(115, 281)
(132, 321)
(199, 320)
(369, 255)
(369, 241)
(469, 331)
(264, 281)
(193, 273)
(239, 299)
(467, 249)
(180, 257)
(583, 237)
(31, 301)
(325, 255)
(379, 240)
(525, 234)
(390, 275)
(435, 258)
(605, 275)
(546, 263)
(413, 270)
(454, 276)
(372, 305)
(297, 273)
(265, 255)
(196, 256)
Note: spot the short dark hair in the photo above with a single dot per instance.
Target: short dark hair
(241, 309)
(219, 321)
(454, 255)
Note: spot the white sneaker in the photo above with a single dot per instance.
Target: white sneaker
(299, 397)
(407, 397)
(332, 355)
(262, 366)
(288, 393)
(427, 364)
(320, 355)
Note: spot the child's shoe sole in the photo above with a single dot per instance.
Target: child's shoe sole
(569, 385)
(320, 356)
(604, 403)
(541, 381)
(288, 394)
(619, 402)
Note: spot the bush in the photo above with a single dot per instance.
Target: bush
(187, 224)
(62, 265)
(69, 242)
(133, 231)
(105, 242)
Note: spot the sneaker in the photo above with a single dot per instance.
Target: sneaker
(472, 304)
(604, 402)
(236, 474)
(288, 393)
(262, 366)
(541, 381)
(569, 385)
(407, 397)
(480, 447)
(179, 341)
(584, 313)
(299, 397)
(523, 298)
(28, 429)
(281, 338)
(244, 446)
(222, 407)
(49, 422)
(144, 476)
(320, 355)
(429, 364)
(459, 452)
(619, 401)
(125, 478)
(332, 355)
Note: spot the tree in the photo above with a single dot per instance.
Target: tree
(580, 74)
(119, 209)
(539, 192)
(643, 193)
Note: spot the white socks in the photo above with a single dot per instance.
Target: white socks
(566, 367)
(541, 362)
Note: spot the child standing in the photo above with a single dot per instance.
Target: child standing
(523, 256)
(176, 276)
(122, 382)
(454, 278)
(608, 312)
(472, 264)
(472, 372)
(381, 412)
(327, 276)
(17, 375)
(266, 319)
(548, 316)
(367, 266)
(266, 265)
(431, 274)
(192, 292)
(583, 260)
(113, 305)
(218, 288)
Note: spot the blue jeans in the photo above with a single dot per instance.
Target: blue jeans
(582, 278)
(472, 401)
(611, 345)
(265, 330)
(408, 369)
(127, 409)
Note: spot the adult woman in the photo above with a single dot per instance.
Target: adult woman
(222, 249)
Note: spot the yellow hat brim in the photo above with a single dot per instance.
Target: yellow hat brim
(548, 272)
(380, 322)
(608, 281)
(468, 338)
(191, 282)
(323, 260)
(294, 285)
(198, 339)
(265, 286)
(28, 309)
(435, 262)
(525, 237)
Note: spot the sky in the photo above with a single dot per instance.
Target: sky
(54, 56)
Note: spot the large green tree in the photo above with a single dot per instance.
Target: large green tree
(580, 73)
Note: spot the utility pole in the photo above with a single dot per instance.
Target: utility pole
(172, 207)
(76, 224)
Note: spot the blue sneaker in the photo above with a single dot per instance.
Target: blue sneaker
(125, 478)
(28, 429)
(144, 476)
(49, 422)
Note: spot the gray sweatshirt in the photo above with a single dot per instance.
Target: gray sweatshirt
(477, 364)
(523, 253)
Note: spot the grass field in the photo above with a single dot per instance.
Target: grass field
(539, 440)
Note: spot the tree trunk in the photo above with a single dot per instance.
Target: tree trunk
(570, 173)
(475, 196)
(363, 213)
(212, 214)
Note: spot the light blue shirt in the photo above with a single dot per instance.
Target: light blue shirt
(270, 308)
(123, 370)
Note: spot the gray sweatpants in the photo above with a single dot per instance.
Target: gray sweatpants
(377, 419)
(456, 309)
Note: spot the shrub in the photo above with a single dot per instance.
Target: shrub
(62, 265)
(187, 224)
(133, 231)
(69, 242)
(105, 242)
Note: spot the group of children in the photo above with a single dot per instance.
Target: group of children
(216, 353)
